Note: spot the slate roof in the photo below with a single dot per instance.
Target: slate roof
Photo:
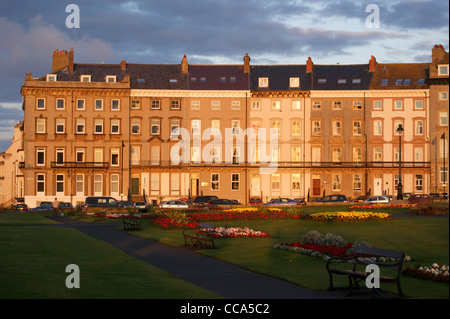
(341, 77)
(388, 76)
(157, 76)
(96, 71)
(279, 76)
(218, 77)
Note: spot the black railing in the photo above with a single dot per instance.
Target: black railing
(301, 165)
(80, 165)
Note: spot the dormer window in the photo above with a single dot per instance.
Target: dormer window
(322, 81)
(111, 78)
(294, 82)
(51, 77)
(342, 81)
(263, 82)
(173, 81)
(384, 82)
(443, 69)
(85, 78)
(356, 81)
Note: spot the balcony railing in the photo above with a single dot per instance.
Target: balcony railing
(80, 165)
(298, 165)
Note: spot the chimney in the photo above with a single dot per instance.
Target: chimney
(71, 60)
(372, 64)
(309, 65)
(184, 65)
(246, 63)
(438, 54)
(60, 60)
(123, 65)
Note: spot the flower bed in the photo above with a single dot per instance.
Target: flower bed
(349, 216)
(316, 245)
(381, 206)
(436, 272)
(223, 232)
(247, 214)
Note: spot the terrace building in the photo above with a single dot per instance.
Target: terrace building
(109, 129)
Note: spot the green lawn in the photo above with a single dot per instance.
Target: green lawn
(34, 258)
(424, 239)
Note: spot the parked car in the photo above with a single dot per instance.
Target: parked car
(361, 199)
(126, 204)
(255, 201)
(65, 205)
(203, 200)
(415, 198)
(435, 195)
(333, 199)
(101, 201)
(300, 201)
(21, 207)
(377, 200)
(280, 201)
(141, 206)
(174, 204)
(406, 195)
(223, 202)
(44, 206)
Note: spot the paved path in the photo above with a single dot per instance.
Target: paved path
(225, 279)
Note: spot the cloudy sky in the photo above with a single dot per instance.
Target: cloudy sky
(210, 31)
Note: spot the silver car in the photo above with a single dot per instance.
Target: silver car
(174, 204)
(377, 200)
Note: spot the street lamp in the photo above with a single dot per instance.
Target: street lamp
(445, 172)
(400, 186)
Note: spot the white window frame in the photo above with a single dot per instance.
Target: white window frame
(235, 183)
(78, 123)
(215, 181)
(98, 123)
(113, 107)
(63, 104)
(115, 123)
(263, 82)
(41, 126)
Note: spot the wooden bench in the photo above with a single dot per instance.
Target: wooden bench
(132, 223)
(388, 259)
(201, 236)
(422, 208)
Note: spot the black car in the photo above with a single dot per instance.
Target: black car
(223, 202)
(203, 200)
(334, 199)
(22, 207)
(100, 201)
(44, 206)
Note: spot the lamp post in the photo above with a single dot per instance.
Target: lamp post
(445, 172)
(400, 186)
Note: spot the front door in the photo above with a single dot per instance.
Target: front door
(316, 187)
(377, 186)
(256, 186)
(194, 187)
